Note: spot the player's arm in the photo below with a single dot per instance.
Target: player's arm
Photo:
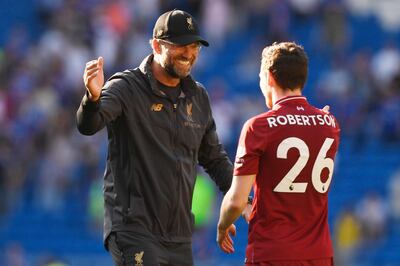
(100, 105)
(212, 155)
(232, 207)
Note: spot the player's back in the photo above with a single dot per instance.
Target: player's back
(297, 144)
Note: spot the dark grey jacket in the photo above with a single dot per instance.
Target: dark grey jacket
(154, 147)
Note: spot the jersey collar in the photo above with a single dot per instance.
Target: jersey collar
(287, 100)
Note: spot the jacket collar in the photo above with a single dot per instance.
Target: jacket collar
(188, 85)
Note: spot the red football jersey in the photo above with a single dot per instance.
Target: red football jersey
(291, 149)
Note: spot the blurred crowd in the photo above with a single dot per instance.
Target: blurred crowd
(44, 161)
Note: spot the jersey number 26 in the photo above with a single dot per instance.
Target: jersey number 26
(287, 183)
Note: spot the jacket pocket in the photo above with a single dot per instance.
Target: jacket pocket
(136, 213)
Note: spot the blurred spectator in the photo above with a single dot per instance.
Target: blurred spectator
(3, 178)
(334, 88)
(47, 8)
(279, 18)
(96, 208)
(305, 8)
(224, 114)
(50, 260)
(203, 201)
(363, 99)
(347, 237)
(217, 19)
(204, 210)
(385, 64)
(134, 46)
(360, 7)
(335, 27)
(144, 10)
(54, 177)
(394, 196)
(255, 13)
(386, 11)
(372, 214)
(110, 25)
(15, 255)
(389, 113)
(56, 263)
(335, 82)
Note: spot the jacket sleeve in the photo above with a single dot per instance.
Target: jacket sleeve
(93, 116)
(213, 158)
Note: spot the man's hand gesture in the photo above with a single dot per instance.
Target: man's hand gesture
(93, 78)
(224, 239)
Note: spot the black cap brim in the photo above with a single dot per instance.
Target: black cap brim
(187, 39)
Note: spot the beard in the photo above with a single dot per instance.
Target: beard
(174, 70)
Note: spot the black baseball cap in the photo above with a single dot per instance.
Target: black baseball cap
(178, 27)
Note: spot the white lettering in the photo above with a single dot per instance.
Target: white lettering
(282, 120)
(332, 121)
(327, 120)
(298, 120)
(320, 119)
(306, 120)
(291, 119)
(313, 119)
(272, 121)
(301, 120)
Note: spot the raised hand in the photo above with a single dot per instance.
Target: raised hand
(93, 77)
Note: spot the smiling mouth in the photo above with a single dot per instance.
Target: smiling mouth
(183, 62)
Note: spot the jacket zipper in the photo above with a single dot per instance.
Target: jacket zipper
(178, 169)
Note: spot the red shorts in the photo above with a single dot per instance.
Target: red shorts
(316, 262)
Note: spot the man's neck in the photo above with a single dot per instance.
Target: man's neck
(162, 76)
(280, 93)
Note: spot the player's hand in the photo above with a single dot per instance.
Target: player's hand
(224, 239)
(247, 212)
(93, 77)
(326, 109)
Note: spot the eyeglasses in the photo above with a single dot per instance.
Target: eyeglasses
(195, 46)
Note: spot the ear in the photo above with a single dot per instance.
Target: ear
(270, 79)
(156, 46)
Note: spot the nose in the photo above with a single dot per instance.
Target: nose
(190, 50)
(186, 52)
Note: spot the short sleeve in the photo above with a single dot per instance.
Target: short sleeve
(250, 148)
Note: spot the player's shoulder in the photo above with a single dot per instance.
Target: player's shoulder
(258, 117)
(125, 83)
(321, 111)
(318, 111)
(200, 86)
(257, 120)
(325, 114)
(125, 77)
(262, 117)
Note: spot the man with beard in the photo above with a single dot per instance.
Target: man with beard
(160, 126)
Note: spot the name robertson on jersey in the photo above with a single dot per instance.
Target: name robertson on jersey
(301, 120)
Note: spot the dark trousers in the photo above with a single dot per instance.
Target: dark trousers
(132, 249)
